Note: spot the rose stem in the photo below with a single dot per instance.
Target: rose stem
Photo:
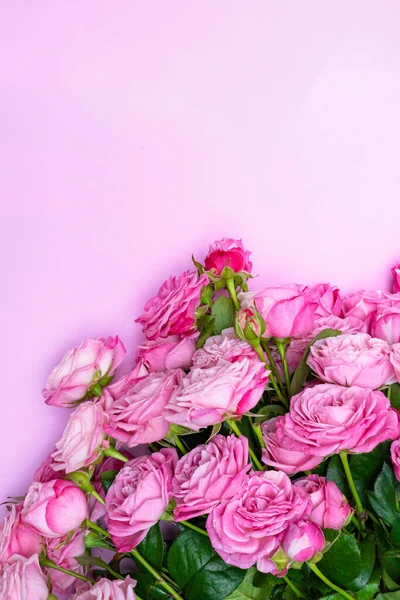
(97, 528)
(272, 365)
(337, 589)
(156, 574)
(271, 378)
(258, 432)
(254, 458)
(97, 496)
(230, 284)
(46, 562)
(282, 353)
(115, 454)
(179, 444)
(293, 587)
(194, 527)
(346, 466)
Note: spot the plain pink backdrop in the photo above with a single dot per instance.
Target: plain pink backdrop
(133, 133)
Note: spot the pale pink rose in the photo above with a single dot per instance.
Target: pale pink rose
(385, 323)
(352, 359)
(343, 324)
(139, 416)
(46, 472)
(224, 347)
(105, 589)
(138, 497)
(395, 456)
(327, 418)
(165, 354)
(395, 360)
(17, 537)
(82, 368)
(328, 299)
(396, 278)
(83, 440)
(330, 507)
(172, 310)
(22, 579)
(288, 310)
(63, 551)
(250, 525)
(228, 253)
(363, 303)
(208, 474)
(54, 508)
(288, 461)
(302, 541)
(209, 396)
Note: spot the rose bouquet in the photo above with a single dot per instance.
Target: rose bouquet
(252, 451)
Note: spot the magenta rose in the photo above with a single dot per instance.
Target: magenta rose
(225, 347)
(362, 304)
(385, 323)
(395, 456)
(396, 278)
(54, 508)
(166, 354)
(22, 579)
(352, 359)
(302, 541)
(208, 396)
(208, 474)
(251, 525)
(139, 416)
(228, 253)
(328, 300)
(83, 440)
(330, 507)
(81, 369)
(173, 310)
(105, 589)
(138, 497)
(63, 551)
(17, 537)
(288, 461)
(327, 418)
(288, 310)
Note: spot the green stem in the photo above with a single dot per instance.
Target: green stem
(281, 346)
(230, 284)
(156, 574)
(97, 528)
(115, 454)
(294, 588)
(46, 562)
(273, 366)
(271, 378)
(258, 434)
(337, 589)
(97, 496)
(194, 527)
(346, 466)
(179, 444)
(254, 458)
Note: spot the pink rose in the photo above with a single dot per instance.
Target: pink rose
(166, 354)
(46, 472)
(395, 360)
(395, 456)
(345, 325)
(326, 419)
(138, 497)
(16, 537)
(121, 386)
(95, 508)
(396, 278)
(208, 474)
(288, 461)
(352, 359)
(22, 579)
(330, 507)
(208, 396)
(362, 304)
(225, 347)
(105, 589)
(83, 440)
(63, 551)
(328, 300)
(228, 253)
(81, 369)
(173, 310)
(54, 508)
(288, 310)
(302, 541)
(250, 525)
(385, 323)
(139, 416)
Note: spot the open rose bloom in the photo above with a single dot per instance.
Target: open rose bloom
(251, 449)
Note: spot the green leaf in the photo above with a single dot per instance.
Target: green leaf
(342, 562)
(190, 552)
(393, 394)
(206, 327)
(268, 412)
(147, 588)
(395, 534)
(365, 469)
(223, 311)
(383, 498)
(368, 555)
(215, 581)
(389, 596)
(107, 478)
(248, 591)
(390, 564)
(95, 540)
(335, 472)
(152, 547)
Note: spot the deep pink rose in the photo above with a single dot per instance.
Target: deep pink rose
(83, 440)
(172, 310)
(105, 589)
(165, 354)
(302, 541)
(352, 359)
(363, 303)
(208, 474)
(228, 253)
(17, 537)
(138, 497)
(385, 323)
(209, 396)
(139, 416)
(328, 300)
(22, 579)
(327, 418)
(250, 525)
(63, 551)
(288, 461)
(395, 456)
(330, 507)
(81, 368)
(225, 347)
(396, 278)
(288, 310)
(54, 508)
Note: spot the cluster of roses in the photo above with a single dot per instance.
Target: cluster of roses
(213, 353)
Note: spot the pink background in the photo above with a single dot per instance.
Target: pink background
(133, 133)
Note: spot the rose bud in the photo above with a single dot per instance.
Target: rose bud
(54, 508)
(22, 578)
(249, 324)
(303, 540)
(330, 507)
(63, 551)
(228, 253)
